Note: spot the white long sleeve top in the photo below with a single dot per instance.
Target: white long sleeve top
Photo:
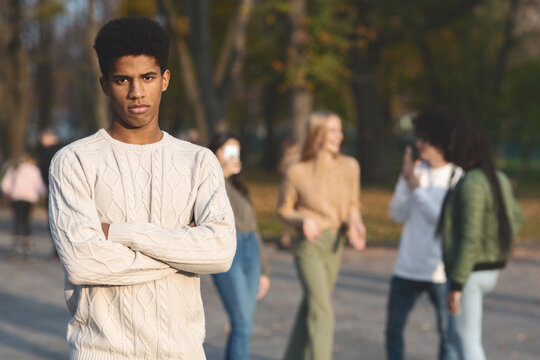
(420, 250)
(136, 294)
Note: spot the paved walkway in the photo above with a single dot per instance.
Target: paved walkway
(33, 314)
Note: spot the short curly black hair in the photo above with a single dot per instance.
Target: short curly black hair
(132, 35)
(436, 127)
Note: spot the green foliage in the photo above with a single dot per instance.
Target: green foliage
(138, 7)
(519, 103)
(50, 9)
(454, 65)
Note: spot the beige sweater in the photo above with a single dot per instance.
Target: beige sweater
(136, 294)
(328, 192)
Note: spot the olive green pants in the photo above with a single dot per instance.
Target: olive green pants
(318, 268)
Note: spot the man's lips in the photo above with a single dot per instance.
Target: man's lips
(138, 109)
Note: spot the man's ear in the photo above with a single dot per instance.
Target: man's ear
(165, 80)
(104, 85)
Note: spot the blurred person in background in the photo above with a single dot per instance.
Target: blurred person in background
(290, 156)
(191, 134)
(320, 197)
(23, 186)
(480, 219)
(48, 145)
(248, 278)
(417, 203)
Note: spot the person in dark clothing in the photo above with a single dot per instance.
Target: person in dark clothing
(48, 145)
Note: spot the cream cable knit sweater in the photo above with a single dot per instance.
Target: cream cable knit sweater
(136, 295)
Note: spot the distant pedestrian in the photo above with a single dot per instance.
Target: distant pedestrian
(48, 145)
(23, 185)
(417, 203)
(248, 278)
(480, 219)
(290, 156)
(320, 198)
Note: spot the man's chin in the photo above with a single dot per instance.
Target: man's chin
(133, 123)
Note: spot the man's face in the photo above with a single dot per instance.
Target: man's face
(134, 87)
(428, 152)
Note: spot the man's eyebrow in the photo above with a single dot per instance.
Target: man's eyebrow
(120, 76)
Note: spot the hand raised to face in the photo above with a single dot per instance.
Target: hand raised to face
(407, 169)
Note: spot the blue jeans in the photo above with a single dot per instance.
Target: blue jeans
(403, 295)
(466, 327)
(238, 289)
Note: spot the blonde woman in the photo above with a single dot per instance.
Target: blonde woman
(320, 198)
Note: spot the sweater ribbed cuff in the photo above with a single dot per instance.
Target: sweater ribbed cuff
(120, 233)
(455, 286)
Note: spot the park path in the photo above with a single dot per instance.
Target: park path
(33, 314)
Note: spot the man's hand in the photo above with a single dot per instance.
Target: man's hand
(311, 230)
(357, 235)
(407, 169)
(453, 299)
(264, 285)
(105, 228)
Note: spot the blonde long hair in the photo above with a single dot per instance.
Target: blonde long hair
(315, 133)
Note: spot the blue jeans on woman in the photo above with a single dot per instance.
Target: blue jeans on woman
(238, 289)
(403, 295)
(466, 327)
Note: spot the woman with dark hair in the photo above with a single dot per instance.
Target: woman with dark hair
(479, 221)
(320, 198)
(248, 278)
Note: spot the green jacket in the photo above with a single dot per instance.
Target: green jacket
(470, 227)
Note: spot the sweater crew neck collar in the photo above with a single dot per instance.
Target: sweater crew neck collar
(105, 135)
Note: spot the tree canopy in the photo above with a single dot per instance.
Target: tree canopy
(258, 67)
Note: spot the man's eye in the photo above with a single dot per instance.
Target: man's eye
(120, 81)
(149, 77)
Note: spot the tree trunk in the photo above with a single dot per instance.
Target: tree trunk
(198, 14)
(17, 82)
(44, 67)
(188, 72)
(504, 51)
(370, 114)
(301, 96)
(101, 109)
(430, 67)
(231, 60)
(270, 111)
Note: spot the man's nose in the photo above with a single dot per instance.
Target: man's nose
(136, 90)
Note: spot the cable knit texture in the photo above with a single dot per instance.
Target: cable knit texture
(136, 295)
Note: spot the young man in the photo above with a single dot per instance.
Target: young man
(121, 204)
(417, 202)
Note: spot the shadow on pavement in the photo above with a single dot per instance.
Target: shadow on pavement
(34, 349)
(38, 316)
(32, 316)
(217, 353)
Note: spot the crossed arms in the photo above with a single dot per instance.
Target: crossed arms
(137, 252)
